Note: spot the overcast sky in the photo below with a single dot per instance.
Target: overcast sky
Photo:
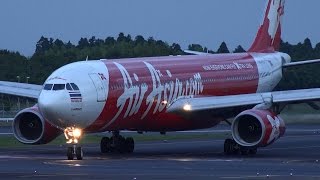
(207, 22)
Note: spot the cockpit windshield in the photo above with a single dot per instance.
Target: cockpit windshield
(74, 86)
(69, 88)
(48, 87)
(57, 87)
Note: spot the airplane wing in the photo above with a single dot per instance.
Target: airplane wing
(20, 89)
(196, 52)
(299, 63)
(202, 105)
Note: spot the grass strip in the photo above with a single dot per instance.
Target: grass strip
(9, 141)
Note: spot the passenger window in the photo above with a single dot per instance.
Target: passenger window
(48, 87)
(69, 88)
(74, 86)
(58, 87)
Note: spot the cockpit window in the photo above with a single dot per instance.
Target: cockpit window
(57, 87)
(74, 86)
(69, 88)
(48, 87)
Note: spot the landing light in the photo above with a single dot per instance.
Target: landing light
(77, 132)
(72, 134)
(187, 107)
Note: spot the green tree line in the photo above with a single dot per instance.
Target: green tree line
(51, 54)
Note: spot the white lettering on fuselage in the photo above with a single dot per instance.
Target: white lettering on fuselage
(233, 66)
(133, 94)
(170, 91)
(162, 94)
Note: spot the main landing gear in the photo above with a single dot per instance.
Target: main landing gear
(231, 147)
(73, 135)
(117, 143)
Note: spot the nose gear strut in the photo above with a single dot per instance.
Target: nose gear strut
(73, 135)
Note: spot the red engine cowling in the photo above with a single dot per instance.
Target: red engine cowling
(29, 127)
(257, 128)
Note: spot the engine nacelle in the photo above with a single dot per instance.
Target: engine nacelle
(257, 128)
(30, 127)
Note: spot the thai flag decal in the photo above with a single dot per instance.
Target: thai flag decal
(75, 96)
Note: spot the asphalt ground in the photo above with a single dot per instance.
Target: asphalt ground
(295, 156)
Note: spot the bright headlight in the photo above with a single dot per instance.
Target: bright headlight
(187, 107)
(77, 133)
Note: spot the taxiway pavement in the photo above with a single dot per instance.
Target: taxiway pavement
(295, 156)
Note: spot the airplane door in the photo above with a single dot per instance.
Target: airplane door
(101, 92)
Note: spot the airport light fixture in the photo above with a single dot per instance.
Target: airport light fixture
(18, 78)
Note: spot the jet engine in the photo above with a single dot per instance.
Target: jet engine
(30, 127)
(257, 128)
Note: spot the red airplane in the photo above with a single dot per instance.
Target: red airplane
(163, 94)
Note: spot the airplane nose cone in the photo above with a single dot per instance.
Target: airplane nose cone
(54, 107)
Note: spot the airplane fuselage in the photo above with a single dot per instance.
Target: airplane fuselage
(162, 94)
(134, 94)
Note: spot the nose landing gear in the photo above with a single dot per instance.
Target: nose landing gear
(73, 135)
(117, 143)
(74, 151)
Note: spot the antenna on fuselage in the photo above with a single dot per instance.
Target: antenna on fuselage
(87, 58)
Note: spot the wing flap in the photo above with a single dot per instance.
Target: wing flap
(206, 104)
(215, 102)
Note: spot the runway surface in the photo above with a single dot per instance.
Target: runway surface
(296, 155)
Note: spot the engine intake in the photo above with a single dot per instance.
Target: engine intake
(257, 128)
(29, 127)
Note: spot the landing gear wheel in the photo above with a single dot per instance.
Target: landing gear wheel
(129, 144)
(230, 147)
(70, 154)
(244, 151)
(227, 146)
(117, 144)
(121, 145)
(253, 151)
(79, 153)
(105, 145)
(73, 152)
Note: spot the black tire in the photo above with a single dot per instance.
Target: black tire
(129, 145)
(79, 153)
(121, 145)
(228, 146)
(244, 151)
(105, 145)
(70, 154)
(235, 147)
(253, 151)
